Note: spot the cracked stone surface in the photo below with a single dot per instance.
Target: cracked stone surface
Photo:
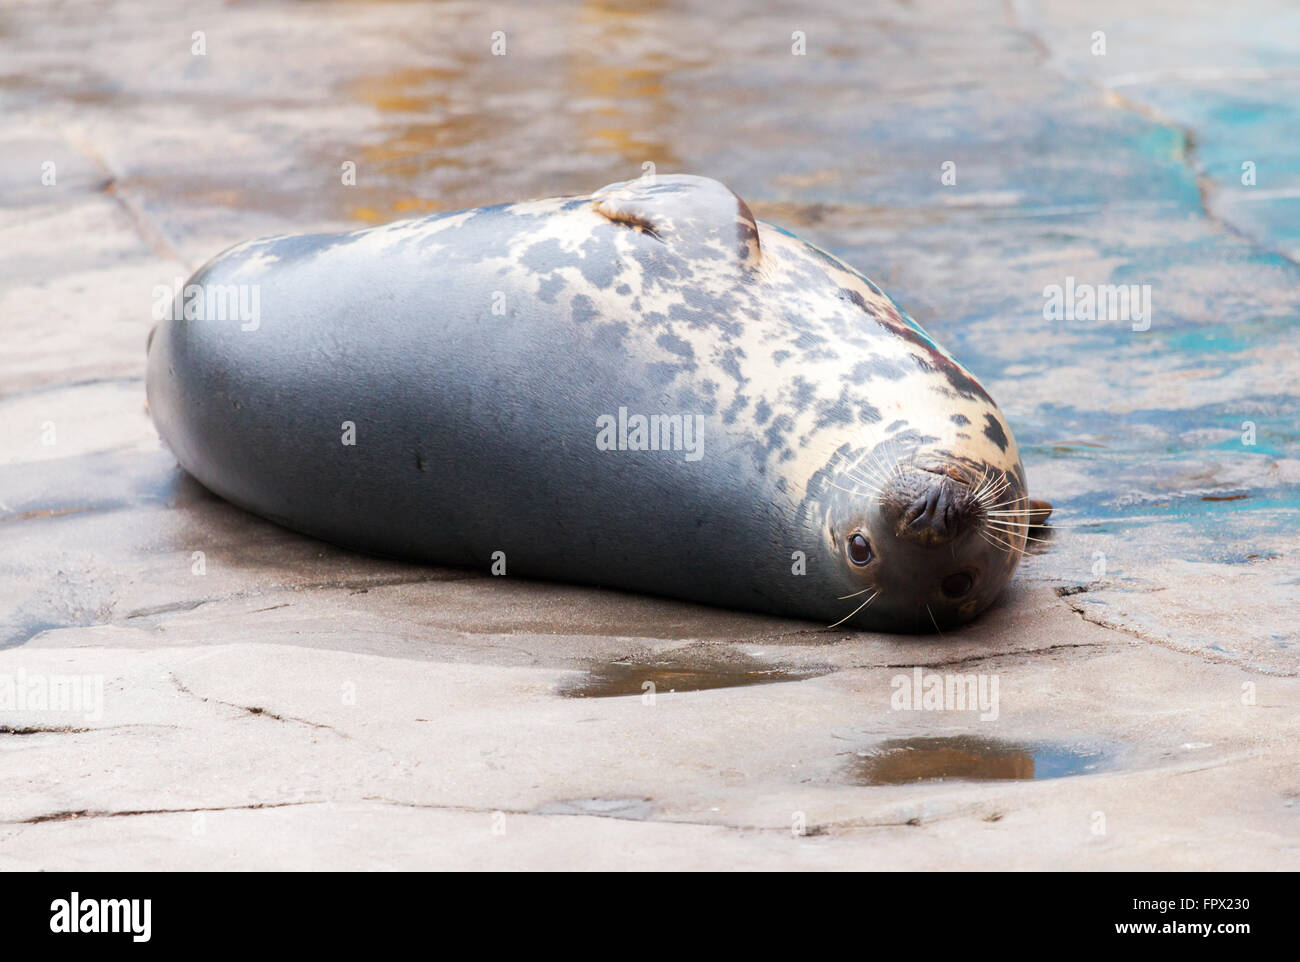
(262, 700)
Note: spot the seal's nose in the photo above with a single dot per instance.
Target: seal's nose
(938, 515)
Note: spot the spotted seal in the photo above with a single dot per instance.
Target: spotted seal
(645, 388)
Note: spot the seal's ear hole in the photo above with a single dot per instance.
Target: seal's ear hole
(859, 549)
(635, 221)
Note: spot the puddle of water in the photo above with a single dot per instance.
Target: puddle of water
(903, 761)
(681, 672)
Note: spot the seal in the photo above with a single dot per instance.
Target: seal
(644, 389)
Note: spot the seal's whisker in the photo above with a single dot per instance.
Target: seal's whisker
(1014, 518)
(854, 611)
(864, 488)
(879, 473)
(845, 490)
(1012, 531)
(1045, 524)
(865, 491)
(1000, 505)
(856, 593)
(871, 483)
(987, 492)
(850, 462)
(893, 455)
(1009, 525)
(1010, 547)
(1006, 544)
(997, 489)
(898, 460)
(1037, 540)
(873, 479)
(880, 469)
(936, 624)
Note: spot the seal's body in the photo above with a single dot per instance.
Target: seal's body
(645, 389)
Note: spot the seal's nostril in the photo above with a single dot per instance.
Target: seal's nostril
(956, 584)
(936, 514)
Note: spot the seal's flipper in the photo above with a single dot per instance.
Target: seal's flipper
(1039, 511)
(682, 209)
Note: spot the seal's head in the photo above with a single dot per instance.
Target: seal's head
(923, 539)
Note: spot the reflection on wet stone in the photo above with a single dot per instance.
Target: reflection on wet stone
(689, 669)
(968, 758)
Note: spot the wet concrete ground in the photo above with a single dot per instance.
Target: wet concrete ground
(287, 704)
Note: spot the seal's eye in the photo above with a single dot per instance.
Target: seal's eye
(859, 550)
(956, 584)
